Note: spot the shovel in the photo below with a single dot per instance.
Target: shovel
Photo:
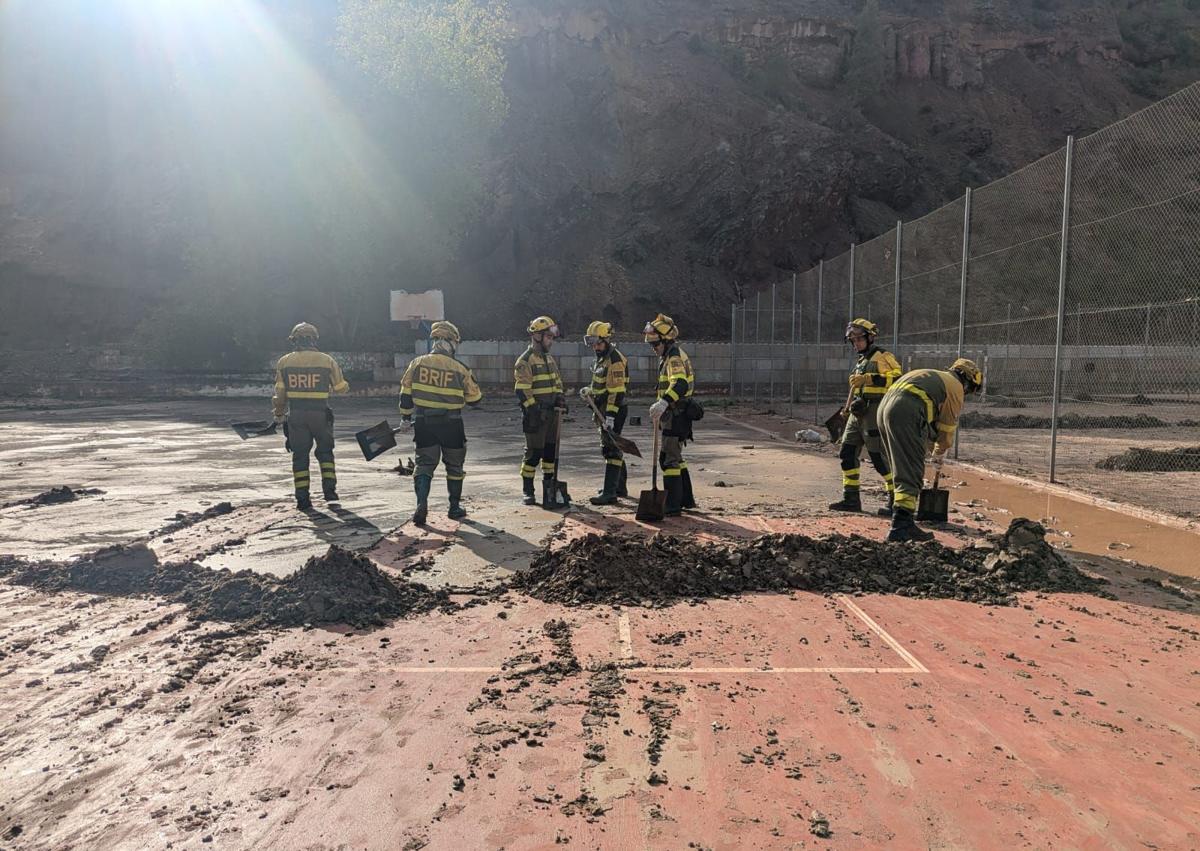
(258, 428)
(558, 488)
(933, 505)
(652, 503)
(376, 440)
(623, 443)
(836, 425)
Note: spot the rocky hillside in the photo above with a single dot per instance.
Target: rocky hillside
(659, 154)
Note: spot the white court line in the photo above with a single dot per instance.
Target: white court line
(878, 630)
(626, 637)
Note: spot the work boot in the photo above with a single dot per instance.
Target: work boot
(330, 494)
(887, 510)
(608, 493)
(904, 529)
(689, 501)
(623, 480)
(302, 501)
(421, 485)
(851, 501)
(454, 487)
(673, 485)
(527, 490)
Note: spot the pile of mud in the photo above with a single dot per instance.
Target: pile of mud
(1141, 460)
(54, 496)
(184, 519)
(978, 419)
(663, 569)
(337, 587)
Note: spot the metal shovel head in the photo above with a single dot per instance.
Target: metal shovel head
(560, 493)
(652, 505)
(933, 505)
(375, 440)
(836, 425)
(258, 428)
(626, 445)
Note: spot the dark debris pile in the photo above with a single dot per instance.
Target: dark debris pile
(337, 587)
(661, 570)
(1139, 459)
(54, 496)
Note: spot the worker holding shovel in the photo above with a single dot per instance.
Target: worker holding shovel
(539, 388)
(304, 380)
(606, 395)
(920, 412)
(433, 392)
(673, 413)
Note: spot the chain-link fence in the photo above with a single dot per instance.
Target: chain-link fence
(1074, 283)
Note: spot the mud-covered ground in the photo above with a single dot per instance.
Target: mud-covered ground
(185, 660)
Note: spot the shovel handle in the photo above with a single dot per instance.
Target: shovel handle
(654, 459)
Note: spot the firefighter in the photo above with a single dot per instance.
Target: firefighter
(873, 374)
(920, 412)
(303, 381)
(607, 391)
(433, 392)
(539, 389)
(670, 412)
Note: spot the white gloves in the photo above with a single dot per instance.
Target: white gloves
(658, 409)
(610, 423)
(405, 424)
(937, 460)
(280, 420)
(585, 391)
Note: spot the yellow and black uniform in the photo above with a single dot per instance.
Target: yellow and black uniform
(610, 383)
(872, 377)
(676, 384)
(433, 392)
(304, 380)
(918, 413)
(539, 390)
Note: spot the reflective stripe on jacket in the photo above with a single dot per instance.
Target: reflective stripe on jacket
(883, 368)
(610, 380)
(536, 378)
(942, 395)
(675, 378)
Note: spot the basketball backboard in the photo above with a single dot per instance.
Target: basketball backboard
(428, 306)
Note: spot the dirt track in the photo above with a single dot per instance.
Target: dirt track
(503, 721)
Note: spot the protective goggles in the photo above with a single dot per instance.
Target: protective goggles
(593, 339)
(552, 331)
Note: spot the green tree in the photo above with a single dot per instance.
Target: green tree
(867, 67)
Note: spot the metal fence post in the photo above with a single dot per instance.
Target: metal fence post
(732, 349)
(896, 306)
(792, 355)
(743, 340)
(817, 346)
(850, 309)
(757, 323)
(771, 349)
(962, 287)
(1063, 258)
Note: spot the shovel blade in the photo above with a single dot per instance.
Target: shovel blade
(933, 505)
(652, 504)
(561, 495)
(376, 440)
(257, 428)
(627, 446)
(836, 425)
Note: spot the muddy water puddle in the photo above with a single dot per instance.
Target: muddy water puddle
(1077, 526)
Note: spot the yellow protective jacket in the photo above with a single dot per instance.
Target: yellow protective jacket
(675, 378)
(883, 368)
(437, 383)
(942, 394)
(305, 379)
(536, 378)
(610, 380)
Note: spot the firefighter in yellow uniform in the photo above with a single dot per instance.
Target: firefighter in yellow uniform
(873, 374)
(919, 413)
(433, 392)
(304, 379)
(539, 390)
(671, 411)
(607, 391)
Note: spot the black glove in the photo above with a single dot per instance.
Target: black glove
(858, 406)
(287, 438)
(560, 402)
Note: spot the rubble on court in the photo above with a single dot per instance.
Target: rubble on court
(1138, 459)
(663, 569)
(184, 519)
(54, 496)
(337, 587)
(1071, 421)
